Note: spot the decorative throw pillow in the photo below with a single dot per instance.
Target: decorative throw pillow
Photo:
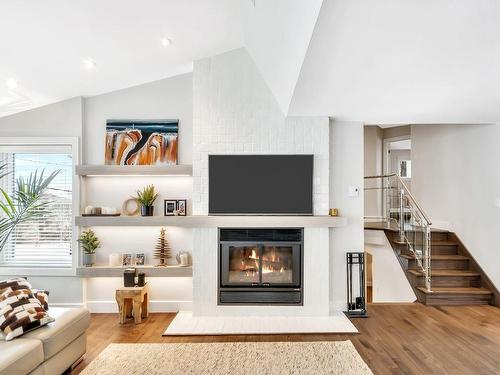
(42, 296)
(20, 310)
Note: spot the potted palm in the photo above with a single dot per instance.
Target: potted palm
(89, 242)
(146, 198)
(25, 203)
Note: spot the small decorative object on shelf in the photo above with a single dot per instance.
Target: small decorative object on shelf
(139, 259)
(126, 259)
(100, 211)
(115, 260)
(333, 212)
(356, 301)
(183, 258)
(181, 206)
(141, 279)
(89, 242)
(129, 277)
(146, 198)
(170, 206)
(162, 249)
(130, 207)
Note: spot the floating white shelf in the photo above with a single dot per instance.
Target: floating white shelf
(134, 170)
(201, 221)
(150, 271)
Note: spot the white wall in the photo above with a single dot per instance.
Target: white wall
(277, 34)
(346, 170)
(389, 281)
(62, 119)
(234, 112)
(169, 98)
(456, 180)
(373, 152)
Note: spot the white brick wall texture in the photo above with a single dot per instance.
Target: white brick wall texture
(234, 112)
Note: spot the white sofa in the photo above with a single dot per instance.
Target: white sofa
(49, 350)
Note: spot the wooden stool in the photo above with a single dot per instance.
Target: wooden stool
(133, 301)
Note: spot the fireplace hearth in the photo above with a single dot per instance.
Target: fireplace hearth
(260, 266)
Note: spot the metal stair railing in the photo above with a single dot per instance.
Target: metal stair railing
(401, 212)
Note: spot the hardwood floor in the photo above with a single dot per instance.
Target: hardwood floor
(395, 339)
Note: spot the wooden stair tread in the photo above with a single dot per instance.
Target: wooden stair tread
(438, 257)
(443, 243)
(446, 272)
(443, 290)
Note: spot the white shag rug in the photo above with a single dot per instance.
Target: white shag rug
(238, 358)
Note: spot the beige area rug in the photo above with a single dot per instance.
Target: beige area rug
(325, 357)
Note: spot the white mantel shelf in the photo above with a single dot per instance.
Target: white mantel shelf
(150, 271)
(201, 221)
(134, 170)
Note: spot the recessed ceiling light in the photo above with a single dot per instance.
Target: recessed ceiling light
(11, 83)
(165, 42)
(89, 64)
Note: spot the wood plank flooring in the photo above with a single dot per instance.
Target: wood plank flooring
(395, 339)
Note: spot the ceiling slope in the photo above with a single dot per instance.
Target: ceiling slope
(43, 44)
(277, 34)
(393, 61)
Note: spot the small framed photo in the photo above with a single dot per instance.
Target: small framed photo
(126, 259)
(170, 206)
(181, 207)
(139, 259)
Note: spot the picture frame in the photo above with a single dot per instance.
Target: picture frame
(139, 259)
(127, 259)
(181, 207)
(170, 206)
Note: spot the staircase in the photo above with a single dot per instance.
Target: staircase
(456, 278)
(436, 263)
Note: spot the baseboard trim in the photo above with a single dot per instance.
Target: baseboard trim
(75, 304)
(103, 307)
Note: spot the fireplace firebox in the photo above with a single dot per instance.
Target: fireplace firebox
(260, 266)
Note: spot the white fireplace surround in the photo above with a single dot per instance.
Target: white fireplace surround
(315, 280)
(234, 112)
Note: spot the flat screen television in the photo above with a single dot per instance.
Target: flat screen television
(260, 184)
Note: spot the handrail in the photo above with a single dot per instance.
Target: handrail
(410, 195)
(413, 223)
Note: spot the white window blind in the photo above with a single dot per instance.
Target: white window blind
(45, 241)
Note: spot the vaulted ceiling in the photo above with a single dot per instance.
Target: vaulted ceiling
(389, 61)
(403, 61)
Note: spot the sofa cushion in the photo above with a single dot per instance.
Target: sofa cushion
(20, 356)
(70, 323)
(20, 312)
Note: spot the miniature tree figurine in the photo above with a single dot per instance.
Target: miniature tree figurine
(162, 249)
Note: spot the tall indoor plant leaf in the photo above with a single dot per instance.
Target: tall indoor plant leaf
(25, 203)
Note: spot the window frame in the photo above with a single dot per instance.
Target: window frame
(73, 143)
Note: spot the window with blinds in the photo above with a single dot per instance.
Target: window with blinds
(47, 240)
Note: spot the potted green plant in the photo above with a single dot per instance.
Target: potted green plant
(146, 198)
(89, 242)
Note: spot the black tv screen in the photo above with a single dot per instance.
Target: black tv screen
(260, 184)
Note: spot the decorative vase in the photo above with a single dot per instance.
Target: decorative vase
(88, 260)
(147, 210)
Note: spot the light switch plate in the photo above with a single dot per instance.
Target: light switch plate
(353, 192)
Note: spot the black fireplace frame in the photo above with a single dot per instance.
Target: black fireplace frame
(260, 293)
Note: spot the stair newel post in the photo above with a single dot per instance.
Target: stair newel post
(401, 215)
(386, 182)
(427, 257)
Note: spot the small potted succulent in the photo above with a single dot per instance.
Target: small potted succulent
(89, 242)
(146, 198)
